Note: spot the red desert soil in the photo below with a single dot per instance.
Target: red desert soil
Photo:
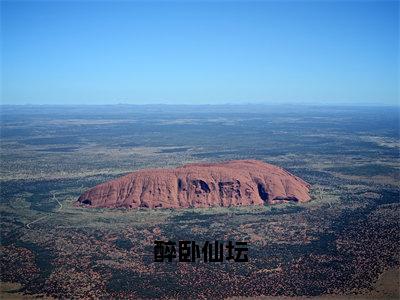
(231, 183)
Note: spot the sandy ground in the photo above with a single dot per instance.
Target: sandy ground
(9, 290)
(386, 287)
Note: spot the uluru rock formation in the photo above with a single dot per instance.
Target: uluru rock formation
(231, 183)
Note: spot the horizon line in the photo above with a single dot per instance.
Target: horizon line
(373, 104)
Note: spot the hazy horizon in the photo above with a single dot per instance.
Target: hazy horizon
(199, 53)
(322, 104)
(218, 105)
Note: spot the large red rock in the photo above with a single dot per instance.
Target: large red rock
(232, 183)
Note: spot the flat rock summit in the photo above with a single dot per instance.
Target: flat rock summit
(231, 183)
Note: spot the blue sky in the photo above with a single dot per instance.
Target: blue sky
(89, 52)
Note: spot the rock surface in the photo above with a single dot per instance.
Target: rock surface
(231, 183)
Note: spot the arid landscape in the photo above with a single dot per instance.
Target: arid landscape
(344, 243)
